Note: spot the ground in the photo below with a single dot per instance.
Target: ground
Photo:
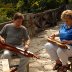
(44, 64)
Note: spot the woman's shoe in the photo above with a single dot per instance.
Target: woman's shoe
(63, 68)
(57, 66)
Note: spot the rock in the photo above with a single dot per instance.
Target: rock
(48, 67)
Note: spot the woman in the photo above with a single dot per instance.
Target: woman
(65, 34)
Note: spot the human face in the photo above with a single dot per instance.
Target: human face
(18, 22)
(68, 21)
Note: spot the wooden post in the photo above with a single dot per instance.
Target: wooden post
(28, 68)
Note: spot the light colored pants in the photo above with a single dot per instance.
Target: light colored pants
(56, 52)
(23, 60)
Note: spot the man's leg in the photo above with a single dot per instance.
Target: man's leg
(6, 55)
(24, 61)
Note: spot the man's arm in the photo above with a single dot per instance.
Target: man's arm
(27, 42)
(26, 39)
(2, 39)
(3, 34)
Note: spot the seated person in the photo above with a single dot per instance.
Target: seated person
(15, 34)
(65, 34)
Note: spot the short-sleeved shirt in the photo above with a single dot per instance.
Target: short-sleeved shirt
(13, 35)
(65, 33)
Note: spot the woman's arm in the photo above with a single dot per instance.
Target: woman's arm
(67, 42)
(54, 35)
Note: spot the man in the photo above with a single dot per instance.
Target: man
(14, 34)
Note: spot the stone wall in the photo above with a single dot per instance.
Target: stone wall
(40, 21)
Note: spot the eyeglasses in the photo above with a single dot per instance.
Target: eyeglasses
(68, 16)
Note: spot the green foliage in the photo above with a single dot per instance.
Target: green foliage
(10, 12)
(20, 3)
(9, 7)
(4, 18)
(3, 15)
(6, 14)
(70, 1)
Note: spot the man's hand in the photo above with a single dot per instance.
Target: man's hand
(2, 40)
(26, 47)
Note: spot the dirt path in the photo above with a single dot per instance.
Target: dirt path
(44, 64)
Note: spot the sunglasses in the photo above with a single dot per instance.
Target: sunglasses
(68, 16)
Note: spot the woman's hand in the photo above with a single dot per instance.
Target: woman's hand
(52, 36)
(66, 42)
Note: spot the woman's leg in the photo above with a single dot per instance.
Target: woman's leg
(52, 50)
(63, 54)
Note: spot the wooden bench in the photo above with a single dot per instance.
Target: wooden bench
(70, 59)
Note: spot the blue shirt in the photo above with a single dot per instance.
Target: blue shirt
(65, 33)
